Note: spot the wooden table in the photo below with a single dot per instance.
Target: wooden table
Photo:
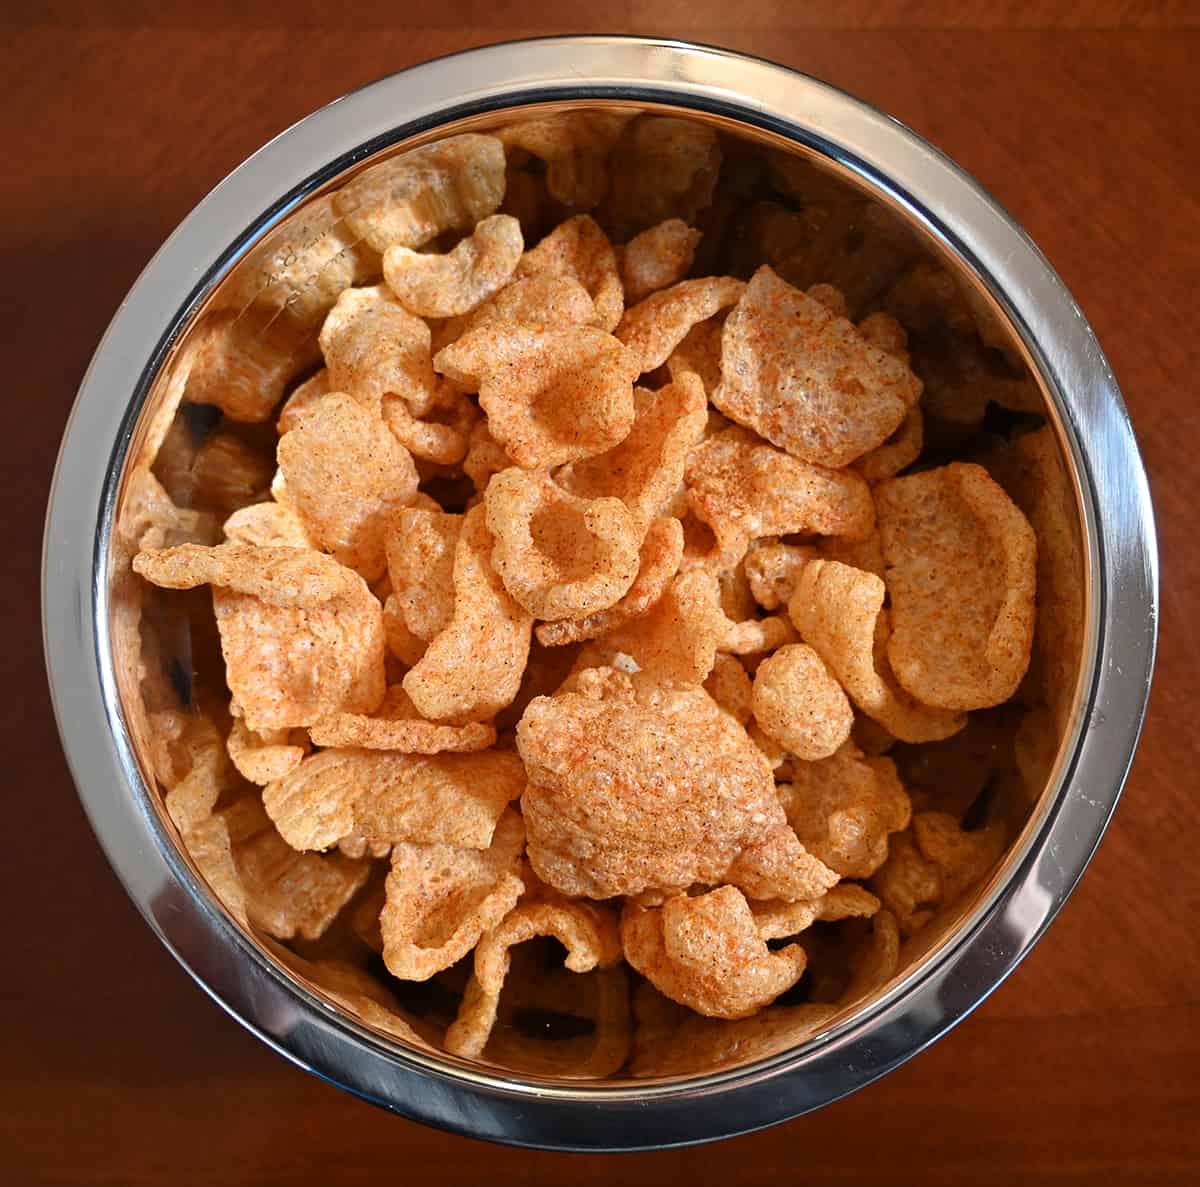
(1083, 119)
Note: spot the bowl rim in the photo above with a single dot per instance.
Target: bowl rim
(1045, 863)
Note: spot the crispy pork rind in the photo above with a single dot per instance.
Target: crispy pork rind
(346, 476)
(729, 685)
(388, 797)
(268, 525)
(758, 635)
(839, 612)
(150, 519)
(412, 198)
(448, 285)
(443, 435)
(806, 379)
(302, 401)
(420, 558)
(961, 572)
(396, 725)
(485, 456)
(302, 636)
(580, 250)
(551, 395)
(706, 953)
(263, 757)
(700, 353)
(845, 807)
(363, 996)
(659, 789)
(776, 920)
(743, 489)
(221, 474)
(898, 452)
(558, 555)
(546, 299)
(773, 569)
(875, 961)
(799, 703)
(657, 325)
(657, 258)
(441, 898)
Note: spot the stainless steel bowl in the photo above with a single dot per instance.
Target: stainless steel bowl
(1112, 551)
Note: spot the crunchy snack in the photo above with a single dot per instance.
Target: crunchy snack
(262, 757)
(653, 329)
(579, 250)
(773, 570)
(799, 704)
(396, 725)
(657, 258)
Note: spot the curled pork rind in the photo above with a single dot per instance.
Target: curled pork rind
(839, 612)
(961, 571)
(412, 198)
(443, 435)
(448, 285)
(550, 395)
(396, 725)
(485, 457)
(806, 379)
(440, 899)
(799, 704)
(264, 757)
(580, 250)
(302, 636)
(558, 555)
(268, 525)
(961, 857)
(388, 797)
(657, 258)
(773, 569)
(875, 962)
(706, 953)
(778, 920)
(845, 807)
(654, 328)
(346, 475)
(608, 812)
(472, 668)
(420, 559)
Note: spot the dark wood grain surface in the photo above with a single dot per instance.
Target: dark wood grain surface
(1083, 119)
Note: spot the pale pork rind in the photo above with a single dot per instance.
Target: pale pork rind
(657, 258)
(654, 328)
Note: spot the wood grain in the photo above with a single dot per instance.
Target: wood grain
(1083, 119)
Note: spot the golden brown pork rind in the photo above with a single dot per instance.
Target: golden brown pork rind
(303, 398)
(898, 452)
(798, 703)
(652, 329)
(580, 250)
(700, 353)
(657, 258)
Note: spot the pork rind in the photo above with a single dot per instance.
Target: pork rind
(839, 612)
(346, 475)
(799, 704)
(443, 435)
(440, 899)
(546, 299)
(653, 328)
(757, 635)
(580, 250)
(268, 525)
(962, 378)
(396, 725)
(876, 960)
(302, 636)
(356, 990)
(558, 555)
(961, 571)
(388, 797)
(658, 257)
(778, 920)
(654, 790)
(773, 569)
(472, 668)
(806, 379)
(551, 395)
(700, 353)
(706, 953)
(226, 474)
(302, 400)
(743, 489)
(447, 285)
(420, 558)
(485, 457)
(412, 198)
(729, 685)
(264, 757)
(845, 807)
(898, 452)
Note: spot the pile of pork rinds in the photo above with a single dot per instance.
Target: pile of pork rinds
(584, 593)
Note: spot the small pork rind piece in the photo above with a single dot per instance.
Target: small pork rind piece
(268, 525)
(263, 757)
(448, 285)
(743, 489)
(658, 257)
(839, 612)
(729, 685)
(396, 725)
(412, 198)
(302, 400)
(485, 457)
(898, 452)
(580, 250)
(472, 668)
(806, 379)
(961, 571)
(700, 353)
(420, 559)
(551, 395)
(799, 704)
(440, 899)
(302, 636)
(845, 807)
(443, 435)
(778, 920)
(388, 797)
(756, 635)
(346, 475)
(706, 953)
(773, 569)
(558, 555)
(653, 328)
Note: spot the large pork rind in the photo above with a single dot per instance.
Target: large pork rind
(845, 807)
(412, 198)
(447, 285)
(420, 560)
(839, 612)
(706, 953)
(799, 704)
(396, 725)
(264, 757)
(388, 797)
(806, 379)
(301, 402)
(655, 327)
(580, 250)
(346, 476)
(658, 257)
(302, 636)
(441, 898)
(472, 667)
(546, 299)
(558, 555)
(961, 572)
(654, 790)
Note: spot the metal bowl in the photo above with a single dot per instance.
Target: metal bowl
(1107, 560)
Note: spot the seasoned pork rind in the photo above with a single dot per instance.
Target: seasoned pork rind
(839, 612)
(420, 559)
(706, 953)
(658, 257)
(875, 962)
(729, 685)
(558, 555)
(396, 725)
(302, 635)
(756, 635)
(301, 402)
(440, 899)
(655, 327)
(773, 569)
(263, 757)
(799, 704)
(806, 379)
(898, 452)
(580, 250)
(777, 920)
(961, 572)
(443, 435)
(546, 299)
(700, 353)
(268, 525)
